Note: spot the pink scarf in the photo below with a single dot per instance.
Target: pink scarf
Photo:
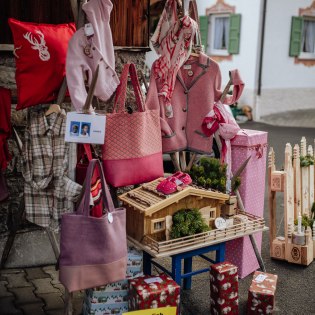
(172, 40)
(221, 121)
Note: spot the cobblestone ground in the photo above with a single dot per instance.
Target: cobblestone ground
(34, 291)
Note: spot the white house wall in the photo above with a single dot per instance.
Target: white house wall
(285, 85)
(246, 60)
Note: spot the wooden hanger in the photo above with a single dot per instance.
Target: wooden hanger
(89, 98)
(53, 108)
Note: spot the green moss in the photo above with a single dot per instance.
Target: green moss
(188, 222)
(306, 160)
(209, 174)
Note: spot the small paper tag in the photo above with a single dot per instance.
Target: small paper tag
(187, 67)
(260, 278)
(88, 29)
(152, 280)
(91, 200)
(220, 223)
(110, 218)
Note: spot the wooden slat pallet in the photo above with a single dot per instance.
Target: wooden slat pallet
(297, 183)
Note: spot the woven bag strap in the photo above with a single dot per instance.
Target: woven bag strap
(84, 206)
(120, 99)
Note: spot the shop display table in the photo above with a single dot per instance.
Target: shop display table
(176, 272)
(186, 248)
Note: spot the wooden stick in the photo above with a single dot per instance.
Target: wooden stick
(175, 160)
(297, 180)
(191, 162)
(182, 160)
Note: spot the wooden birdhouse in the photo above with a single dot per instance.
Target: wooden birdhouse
(149, 213)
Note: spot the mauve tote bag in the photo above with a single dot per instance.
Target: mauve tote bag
(93, 251)
(132, 153)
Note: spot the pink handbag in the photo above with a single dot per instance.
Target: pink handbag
(132, 153)
(93, 251)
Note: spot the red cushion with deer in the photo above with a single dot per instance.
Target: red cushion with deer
(40, 60)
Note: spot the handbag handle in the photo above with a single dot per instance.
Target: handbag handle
(84, 206)
(86, 151)
(120, 99)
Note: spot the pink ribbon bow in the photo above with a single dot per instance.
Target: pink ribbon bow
(221, 121)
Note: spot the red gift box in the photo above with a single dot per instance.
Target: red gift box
(152, 292)
(261, 294)
(223, 288)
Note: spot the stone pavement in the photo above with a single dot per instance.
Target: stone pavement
(34, 291)
(304, 118)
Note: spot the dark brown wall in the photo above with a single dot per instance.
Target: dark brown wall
(38, 11)
(130, 23)
(129, 18)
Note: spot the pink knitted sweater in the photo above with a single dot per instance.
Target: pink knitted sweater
(101, 52)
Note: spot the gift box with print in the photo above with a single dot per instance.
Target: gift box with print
(223, 288)
(106, 309)
(247, 143)
(149, 292)
(261, 294)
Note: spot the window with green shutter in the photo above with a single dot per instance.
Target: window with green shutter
(302, 40)
(204, 27)
(296, 36)
(234, 34)
(220, 33)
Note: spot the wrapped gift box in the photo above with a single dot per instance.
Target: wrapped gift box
(247, 143)
(105, 309)
(261, 294)
(152, 292)
(223, 288)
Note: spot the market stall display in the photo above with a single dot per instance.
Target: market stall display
(297, 182)
(181, 216)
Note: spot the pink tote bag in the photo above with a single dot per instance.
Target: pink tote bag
(132, 153)
(93, 251)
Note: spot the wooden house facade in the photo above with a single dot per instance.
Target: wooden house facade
(149, 212)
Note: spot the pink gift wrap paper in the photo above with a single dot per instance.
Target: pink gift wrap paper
(252, 190)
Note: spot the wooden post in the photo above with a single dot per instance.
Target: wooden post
(297, 180)
(288, 195)
(168, 226)
(311, 181)
(271, 199)
(304, 181)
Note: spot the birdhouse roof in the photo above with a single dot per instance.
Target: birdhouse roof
(148, 200)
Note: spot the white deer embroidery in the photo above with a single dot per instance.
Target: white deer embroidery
(44, 54)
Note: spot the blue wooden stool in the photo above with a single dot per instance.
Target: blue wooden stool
(176, 272)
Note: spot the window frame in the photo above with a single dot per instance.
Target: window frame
(155, 221)
(211, 35)
(305, 55)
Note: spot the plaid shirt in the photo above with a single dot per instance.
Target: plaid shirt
(47, 189)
